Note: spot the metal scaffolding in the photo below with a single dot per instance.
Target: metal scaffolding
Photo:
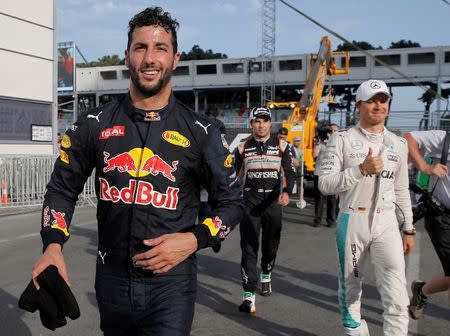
(268, 51)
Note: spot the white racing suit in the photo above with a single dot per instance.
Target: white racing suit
(367, 223)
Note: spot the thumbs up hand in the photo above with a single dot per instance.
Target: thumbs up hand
(371, 164)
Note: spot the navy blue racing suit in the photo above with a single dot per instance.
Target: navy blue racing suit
(149, 166)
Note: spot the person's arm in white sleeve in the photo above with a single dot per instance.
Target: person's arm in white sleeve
(401, 188)
(333, 177)
(417, 159)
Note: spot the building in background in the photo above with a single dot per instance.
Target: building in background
(226, 88)
(27, 77)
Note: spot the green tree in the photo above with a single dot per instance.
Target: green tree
(197, 53)
(404, 44)
(104, 61)
(351, 46)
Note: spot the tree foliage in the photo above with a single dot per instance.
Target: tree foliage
(404, 44)
(197, 53)
(104, 61)
(351, 46)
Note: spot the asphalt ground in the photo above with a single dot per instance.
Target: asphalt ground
(304, 301)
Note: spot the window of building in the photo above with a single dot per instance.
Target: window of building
(109, 75)
(125, 74)
(447, 57)
(257, 66)
(206, 69)
(355, 62)
(182, 70)
(233, 68)
(286, 65)
(389, 59)
(421, 58)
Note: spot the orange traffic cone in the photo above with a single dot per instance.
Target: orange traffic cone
(5, 199)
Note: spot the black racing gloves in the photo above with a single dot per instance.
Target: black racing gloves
(54, 299)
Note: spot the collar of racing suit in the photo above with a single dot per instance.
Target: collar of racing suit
(373, 137)
(137, 114)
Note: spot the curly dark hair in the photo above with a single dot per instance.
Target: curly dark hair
(154, 16)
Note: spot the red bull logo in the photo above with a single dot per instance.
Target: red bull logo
(144, 194)
(149, 162)
(59, 222)
(122, 162)
(213, 224)
(155, 165)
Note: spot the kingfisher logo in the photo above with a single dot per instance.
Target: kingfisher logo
(150, 164)
(144, 194)
(110, 132)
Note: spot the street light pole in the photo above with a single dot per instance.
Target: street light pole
(249, 72)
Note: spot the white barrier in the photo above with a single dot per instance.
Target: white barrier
(24, 181)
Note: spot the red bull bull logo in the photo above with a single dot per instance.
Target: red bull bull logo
(149, 162)
(59, 222)
(143, 192)
(122, 162)
(155, 165)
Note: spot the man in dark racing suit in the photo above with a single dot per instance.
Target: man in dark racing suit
(151, 155)
(260, 162)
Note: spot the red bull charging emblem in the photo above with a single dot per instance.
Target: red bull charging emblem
(143, 191)
(129, 161)
(59, 222)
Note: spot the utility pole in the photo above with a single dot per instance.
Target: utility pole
(268, 51)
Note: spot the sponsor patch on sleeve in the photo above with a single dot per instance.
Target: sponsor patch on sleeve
(228, 163)
(63, 156)
(59, 222)
(213, 224)
(66, 142)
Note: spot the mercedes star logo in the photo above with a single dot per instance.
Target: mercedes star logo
(375, 85)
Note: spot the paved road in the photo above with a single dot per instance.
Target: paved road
(304, 301)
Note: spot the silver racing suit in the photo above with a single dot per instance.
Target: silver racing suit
(371, 210)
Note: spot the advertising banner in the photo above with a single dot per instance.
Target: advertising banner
(66, 66)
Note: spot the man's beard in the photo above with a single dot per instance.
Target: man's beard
(152, 89)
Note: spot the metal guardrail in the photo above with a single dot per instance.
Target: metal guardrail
(24, 181)
(24, 178)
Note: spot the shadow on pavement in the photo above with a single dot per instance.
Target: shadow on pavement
(208, 297)
(226, 270)
(10, 316)
(91, 234)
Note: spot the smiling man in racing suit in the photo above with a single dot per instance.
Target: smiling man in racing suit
(151, 155)
(367, 166)
(260, 162)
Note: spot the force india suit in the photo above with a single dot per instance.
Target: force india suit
(367, 223)
(150, 166)
(260, 165)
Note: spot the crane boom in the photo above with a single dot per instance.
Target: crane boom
(305, 111)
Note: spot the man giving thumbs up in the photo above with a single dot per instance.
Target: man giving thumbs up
(367, 166)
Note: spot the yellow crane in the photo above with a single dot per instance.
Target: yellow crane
(302, 121)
